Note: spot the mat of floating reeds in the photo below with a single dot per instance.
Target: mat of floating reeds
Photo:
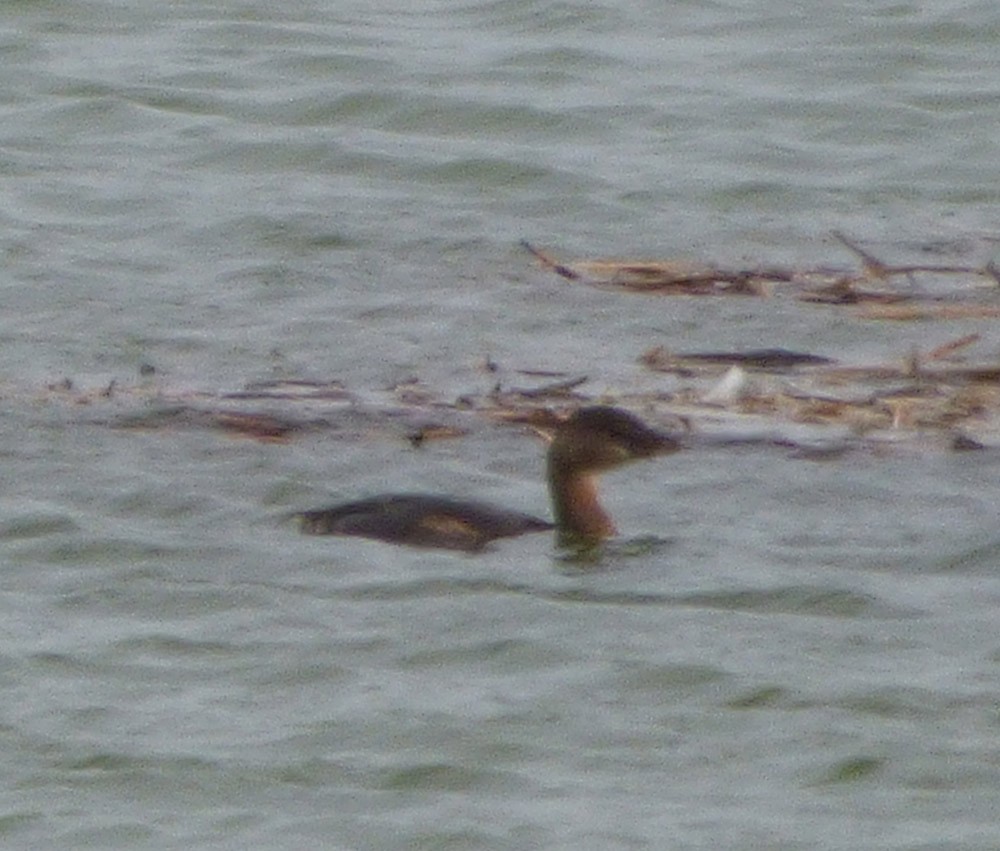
(872, 285)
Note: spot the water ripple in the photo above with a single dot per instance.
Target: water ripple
(815, 601)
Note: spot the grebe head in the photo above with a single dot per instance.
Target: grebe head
(599, 438)
(593, 440)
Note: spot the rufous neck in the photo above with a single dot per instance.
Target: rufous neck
(579, 517)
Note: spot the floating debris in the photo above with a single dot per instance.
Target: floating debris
(660, 359)
(546, 391)
(292, 389)
(669, 277)
(263, 427)
(944, 391)
(734, 387)
(422, 434)
(816, 285)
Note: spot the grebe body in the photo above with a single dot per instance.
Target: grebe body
(591, 441)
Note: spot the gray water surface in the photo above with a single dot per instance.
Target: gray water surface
(230, 192)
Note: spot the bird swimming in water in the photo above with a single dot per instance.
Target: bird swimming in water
(591, 441)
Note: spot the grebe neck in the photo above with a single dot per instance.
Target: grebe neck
(579, 517)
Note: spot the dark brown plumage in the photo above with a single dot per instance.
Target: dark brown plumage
(591, 441)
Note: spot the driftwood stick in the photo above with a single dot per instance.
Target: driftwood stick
(877, 269)
(946, 350)
(549, 263)
(873, 267)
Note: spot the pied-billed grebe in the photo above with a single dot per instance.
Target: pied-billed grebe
(592, 440)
